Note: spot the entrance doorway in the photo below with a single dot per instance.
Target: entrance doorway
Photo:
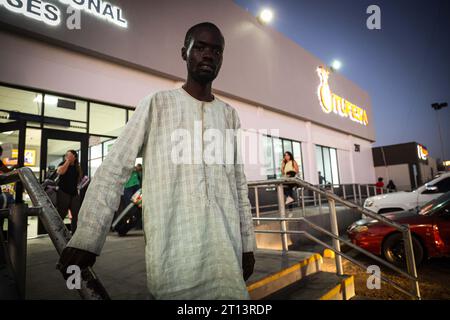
(54, 145)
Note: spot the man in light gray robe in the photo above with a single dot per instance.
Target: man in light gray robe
(199, 237)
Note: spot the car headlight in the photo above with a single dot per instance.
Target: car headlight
(368, 203)
(359, 229)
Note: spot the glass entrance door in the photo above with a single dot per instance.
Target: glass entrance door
(12, 153)
(54, 145)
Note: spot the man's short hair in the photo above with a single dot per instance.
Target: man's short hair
(203, 25)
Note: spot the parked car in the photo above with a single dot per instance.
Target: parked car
(430, 230)
(400, 201)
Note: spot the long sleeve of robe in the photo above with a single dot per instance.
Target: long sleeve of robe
(197, 218)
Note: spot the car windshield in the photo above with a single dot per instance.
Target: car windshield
(435, 204)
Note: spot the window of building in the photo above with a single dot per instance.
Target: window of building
(98, 149)
(267, 168)
(20, 101)
(327, 165)
(64, 108)
(130, 114)
(106, 120)
(273, 152)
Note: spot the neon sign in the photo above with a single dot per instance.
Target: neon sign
(422, 152)
(50, 14)
(331, 102)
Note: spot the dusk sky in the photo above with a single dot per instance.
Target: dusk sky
(405, 66)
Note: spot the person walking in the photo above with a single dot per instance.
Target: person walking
(289, 168)
(68, 197)
(322, 180)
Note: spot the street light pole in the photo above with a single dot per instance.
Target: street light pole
(436, 107)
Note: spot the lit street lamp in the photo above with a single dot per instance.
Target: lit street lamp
(265, 16)
(336, 65)
(439, 106)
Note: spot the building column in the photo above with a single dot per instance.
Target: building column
(310, 165)
(352, 158)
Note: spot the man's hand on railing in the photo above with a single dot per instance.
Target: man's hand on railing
(248, 263)
(73, 256)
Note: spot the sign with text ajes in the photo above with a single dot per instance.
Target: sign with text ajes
(332, 103)
(422, 152)
(50, 13)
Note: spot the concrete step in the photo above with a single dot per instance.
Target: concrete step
(363, 298)
(318, 286)
(275, 270)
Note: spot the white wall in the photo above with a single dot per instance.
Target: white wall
(425, 171)
(62, 71)
(399, 174)
(260, 64)
(33, 64)
(354, 167)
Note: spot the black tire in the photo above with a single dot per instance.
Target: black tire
(393, 250)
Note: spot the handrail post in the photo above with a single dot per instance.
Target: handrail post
(333, 199)
(344, 193)
(315, 199)
(335, 231)
(17, 244)
(360, 196)
(257, 204)
(410, 260)
(320, 203)
(91, 287)
(282, 208)
(303, 200)
(354, 193)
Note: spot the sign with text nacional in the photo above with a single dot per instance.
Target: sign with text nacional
(50, 13)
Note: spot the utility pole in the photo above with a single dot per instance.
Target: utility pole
(436, 107)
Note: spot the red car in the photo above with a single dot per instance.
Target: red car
(430, 230)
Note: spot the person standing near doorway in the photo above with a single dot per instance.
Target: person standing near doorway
(289, 169)
(70, 174)
(379, 185)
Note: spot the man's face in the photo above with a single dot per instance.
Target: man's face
(204, 55)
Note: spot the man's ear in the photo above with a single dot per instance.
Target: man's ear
(184, 53)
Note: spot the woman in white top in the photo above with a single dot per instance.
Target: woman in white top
(289, 168)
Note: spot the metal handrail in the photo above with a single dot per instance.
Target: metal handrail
(91, 287)
(411, 273)
(346, 256)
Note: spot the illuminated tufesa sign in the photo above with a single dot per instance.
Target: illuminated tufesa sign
(331, 102)
(422, 152)
(50, 13)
